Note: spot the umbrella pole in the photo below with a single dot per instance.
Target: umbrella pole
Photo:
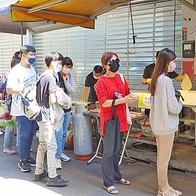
(21, 35)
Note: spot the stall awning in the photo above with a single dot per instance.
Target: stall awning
(41, 16)
(73, 12)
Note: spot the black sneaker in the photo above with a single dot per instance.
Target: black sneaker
(24, 166)
(57, 182)
(31, 161)
(41, 176)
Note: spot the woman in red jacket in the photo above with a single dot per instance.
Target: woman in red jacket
(106, 87)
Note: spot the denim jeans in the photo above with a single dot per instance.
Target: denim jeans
(65, 128)
(59, 142)
(61, 135)
(26, 130)
(8, 137)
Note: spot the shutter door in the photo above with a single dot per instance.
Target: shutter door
(9, 44)
(156, 25)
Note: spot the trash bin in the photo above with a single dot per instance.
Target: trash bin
(82, 136)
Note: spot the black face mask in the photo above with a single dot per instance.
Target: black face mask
(114, 65)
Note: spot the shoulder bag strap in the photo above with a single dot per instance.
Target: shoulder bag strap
(112, 109)
(122, 78)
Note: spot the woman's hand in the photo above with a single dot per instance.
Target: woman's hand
(129, 99)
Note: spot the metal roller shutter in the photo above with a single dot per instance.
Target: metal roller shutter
(156, 24)
(9, 43)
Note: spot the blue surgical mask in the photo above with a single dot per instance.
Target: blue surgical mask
(31, 60)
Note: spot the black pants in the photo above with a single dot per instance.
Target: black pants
(111, 157)
(147, 112)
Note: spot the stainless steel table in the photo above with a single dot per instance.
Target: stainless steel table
(124, 150)
(190, 101)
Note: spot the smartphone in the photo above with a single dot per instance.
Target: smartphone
(118, 95)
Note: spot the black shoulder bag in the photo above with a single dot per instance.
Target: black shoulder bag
(112, 129)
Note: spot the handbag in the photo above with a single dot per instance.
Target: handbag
(114, 122)
(112, 127)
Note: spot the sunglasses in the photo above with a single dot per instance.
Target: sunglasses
(111, 61)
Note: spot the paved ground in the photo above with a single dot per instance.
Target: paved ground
(86, 180)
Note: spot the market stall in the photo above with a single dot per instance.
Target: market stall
(95, 113)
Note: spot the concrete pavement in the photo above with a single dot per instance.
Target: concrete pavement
(86, 180)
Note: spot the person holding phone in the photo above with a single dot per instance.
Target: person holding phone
(107, 87)
(164, 117)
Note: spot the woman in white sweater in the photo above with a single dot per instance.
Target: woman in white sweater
(164, 118)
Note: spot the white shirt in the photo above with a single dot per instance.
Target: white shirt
(165, 109)
(21, 79)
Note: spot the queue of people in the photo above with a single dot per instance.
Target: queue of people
(104, 82)
(24, 80)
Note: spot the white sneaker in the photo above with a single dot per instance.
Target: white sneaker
(65, 158)
(9, 151)
(58, 164)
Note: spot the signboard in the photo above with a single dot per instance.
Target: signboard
(144, 101)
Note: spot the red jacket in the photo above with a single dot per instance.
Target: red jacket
(105, 89)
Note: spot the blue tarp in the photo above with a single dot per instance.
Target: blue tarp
(5, 10)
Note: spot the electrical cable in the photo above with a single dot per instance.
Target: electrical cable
(134, 36)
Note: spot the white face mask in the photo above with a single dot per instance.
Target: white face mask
(96, 78)
(58, 68)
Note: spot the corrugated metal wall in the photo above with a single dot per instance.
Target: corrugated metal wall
(9, 44)
(156, 25)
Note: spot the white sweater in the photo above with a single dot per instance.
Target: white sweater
(165, 109)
